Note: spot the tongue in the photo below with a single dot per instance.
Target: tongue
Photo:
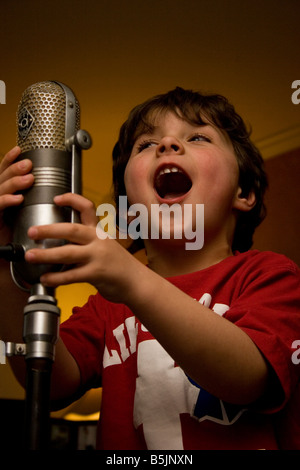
(172, 195)
(171, 185)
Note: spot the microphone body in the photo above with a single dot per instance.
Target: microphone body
(48, 121)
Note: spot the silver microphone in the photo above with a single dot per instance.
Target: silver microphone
(48, 125)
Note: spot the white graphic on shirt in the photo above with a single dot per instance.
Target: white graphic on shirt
(220, 309)
(112, 357)
(162, 393)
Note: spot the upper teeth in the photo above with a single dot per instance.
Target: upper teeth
(173, 169)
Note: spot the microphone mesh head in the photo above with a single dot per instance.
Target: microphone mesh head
(41, 117)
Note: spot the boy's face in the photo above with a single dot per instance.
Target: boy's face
(185, 164)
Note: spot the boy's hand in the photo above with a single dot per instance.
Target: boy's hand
(14, 176)
(102, 263)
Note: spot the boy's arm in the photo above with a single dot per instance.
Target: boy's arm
(214, 352)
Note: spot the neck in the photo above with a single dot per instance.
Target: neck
(175, 260)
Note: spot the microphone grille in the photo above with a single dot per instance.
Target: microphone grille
(41, 117)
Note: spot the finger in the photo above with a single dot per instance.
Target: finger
(9, 200)
(71, 276)
(16, 168)
(16, 183)
(81, 204)
(9, 157)
(66, 254)
(16, 176)
(14, 179)
(75, 233)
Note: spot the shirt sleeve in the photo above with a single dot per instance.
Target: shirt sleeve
(83, 335)
(268, 310)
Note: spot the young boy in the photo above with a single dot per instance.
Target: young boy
(194, 350)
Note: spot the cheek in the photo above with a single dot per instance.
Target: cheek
(134, 176)
(220, 179)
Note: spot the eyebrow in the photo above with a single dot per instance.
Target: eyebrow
(152, 129)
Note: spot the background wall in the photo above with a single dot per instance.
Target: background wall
(115, 54)
(281, 228)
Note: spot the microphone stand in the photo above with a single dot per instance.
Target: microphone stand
(41, 314)
(40, 333)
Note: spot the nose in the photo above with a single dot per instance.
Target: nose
(169, 145)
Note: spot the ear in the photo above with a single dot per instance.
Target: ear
(244, 203)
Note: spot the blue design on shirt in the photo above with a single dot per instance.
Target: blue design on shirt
(212, 408)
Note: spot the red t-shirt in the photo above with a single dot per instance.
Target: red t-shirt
(148, 402)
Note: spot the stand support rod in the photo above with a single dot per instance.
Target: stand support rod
(37, 406)
(40, 333)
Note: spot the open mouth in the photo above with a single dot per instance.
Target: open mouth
(171, 182)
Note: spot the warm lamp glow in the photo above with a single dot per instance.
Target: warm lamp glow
(79, 417)
(73, 295)
(85, 409)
